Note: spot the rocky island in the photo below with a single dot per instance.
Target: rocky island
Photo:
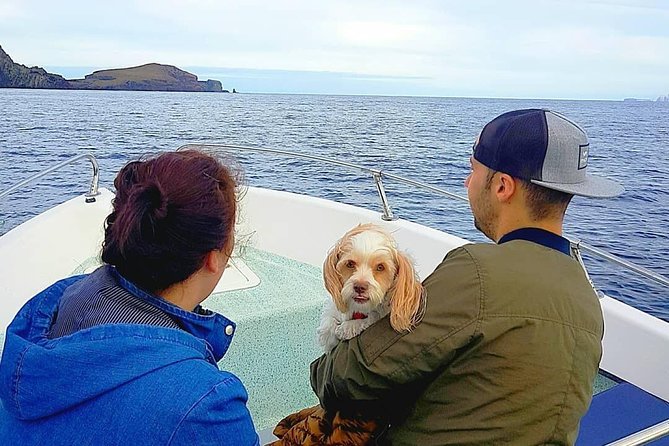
(149, 77)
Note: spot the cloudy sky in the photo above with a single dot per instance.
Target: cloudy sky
(581, 49)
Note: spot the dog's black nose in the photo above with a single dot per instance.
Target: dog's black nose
(360, 288)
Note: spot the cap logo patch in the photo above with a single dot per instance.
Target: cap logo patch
(583, 156)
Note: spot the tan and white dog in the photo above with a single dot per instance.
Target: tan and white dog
(368, 277)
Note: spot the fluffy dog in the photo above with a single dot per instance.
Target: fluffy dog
(368, 277)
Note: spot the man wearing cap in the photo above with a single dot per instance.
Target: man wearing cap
(510, 343)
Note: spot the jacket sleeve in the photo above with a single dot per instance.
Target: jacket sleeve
(219, 418)
(379, 365)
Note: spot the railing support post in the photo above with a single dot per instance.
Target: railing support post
(576, 252)
(387, 212)
(92, 190)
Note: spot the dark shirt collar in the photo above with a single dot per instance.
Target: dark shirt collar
(541, 237)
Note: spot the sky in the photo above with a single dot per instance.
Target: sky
(568, 49)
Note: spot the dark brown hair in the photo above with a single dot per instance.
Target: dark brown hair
(544, 202)
(169, 212)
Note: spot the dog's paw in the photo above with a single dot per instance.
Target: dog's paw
(350, 329)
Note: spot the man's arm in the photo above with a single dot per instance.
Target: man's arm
(380, 362)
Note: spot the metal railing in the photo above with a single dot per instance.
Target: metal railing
(92, 190)
(655, 432)
(387, 214)
(377, 176)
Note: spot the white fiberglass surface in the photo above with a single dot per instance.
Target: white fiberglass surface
(47, 248)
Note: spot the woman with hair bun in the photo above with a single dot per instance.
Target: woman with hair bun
(126, 355)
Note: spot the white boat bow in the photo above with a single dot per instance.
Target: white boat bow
(293, 233)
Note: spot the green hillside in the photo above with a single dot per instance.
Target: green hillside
(149, 77)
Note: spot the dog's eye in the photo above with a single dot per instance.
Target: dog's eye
(350, 264)
(380, 267)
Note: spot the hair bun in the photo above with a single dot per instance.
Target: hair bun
(152, 196)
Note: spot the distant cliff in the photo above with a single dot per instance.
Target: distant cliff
(149, 77)
(663, 98)
(20, 76)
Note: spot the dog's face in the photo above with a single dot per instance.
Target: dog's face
(365, 267)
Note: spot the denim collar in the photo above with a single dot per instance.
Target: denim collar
(541, 237)
(214, 329)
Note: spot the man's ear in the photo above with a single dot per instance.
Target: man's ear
(505, 187)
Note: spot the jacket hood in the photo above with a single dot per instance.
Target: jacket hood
(40, 376)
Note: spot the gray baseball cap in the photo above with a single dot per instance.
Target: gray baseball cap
(545, 148)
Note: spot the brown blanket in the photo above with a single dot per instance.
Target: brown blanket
(313, 426)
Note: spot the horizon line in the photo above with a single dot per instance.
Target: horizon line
(389, 95)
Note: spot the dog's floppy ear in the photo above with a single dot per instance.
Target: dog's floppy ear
(332, 278)
(407, 301)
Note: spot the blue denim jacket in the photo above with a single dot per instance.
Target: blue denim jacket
(118, 384)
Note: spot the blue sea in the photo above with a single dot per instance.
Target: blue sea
(421, 138)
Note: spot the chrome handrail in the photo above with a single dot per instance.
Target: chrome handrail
(632, 266)
(378, 175)
(92, 190)
(645, 436)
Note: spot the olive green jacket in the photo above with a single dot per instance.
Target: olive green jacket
(507, 353)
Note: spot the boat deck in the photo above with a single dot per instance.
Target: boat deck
(271, 353)
(619, 410)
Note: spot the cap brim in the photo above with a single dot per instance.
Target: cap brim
(593, 186)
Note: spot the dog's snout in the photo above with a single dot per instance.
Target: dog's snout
(360, 287)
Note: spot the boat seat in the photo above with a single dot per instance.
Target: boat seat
(621, 411)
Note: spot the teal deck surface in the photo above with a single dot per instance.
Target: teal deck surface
(276, 334)
(602, 383)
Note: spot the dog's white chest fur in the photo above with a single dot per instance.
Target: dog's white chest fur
(336, 326)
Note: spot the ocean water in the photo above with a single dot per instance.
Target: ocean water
(420, 138)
